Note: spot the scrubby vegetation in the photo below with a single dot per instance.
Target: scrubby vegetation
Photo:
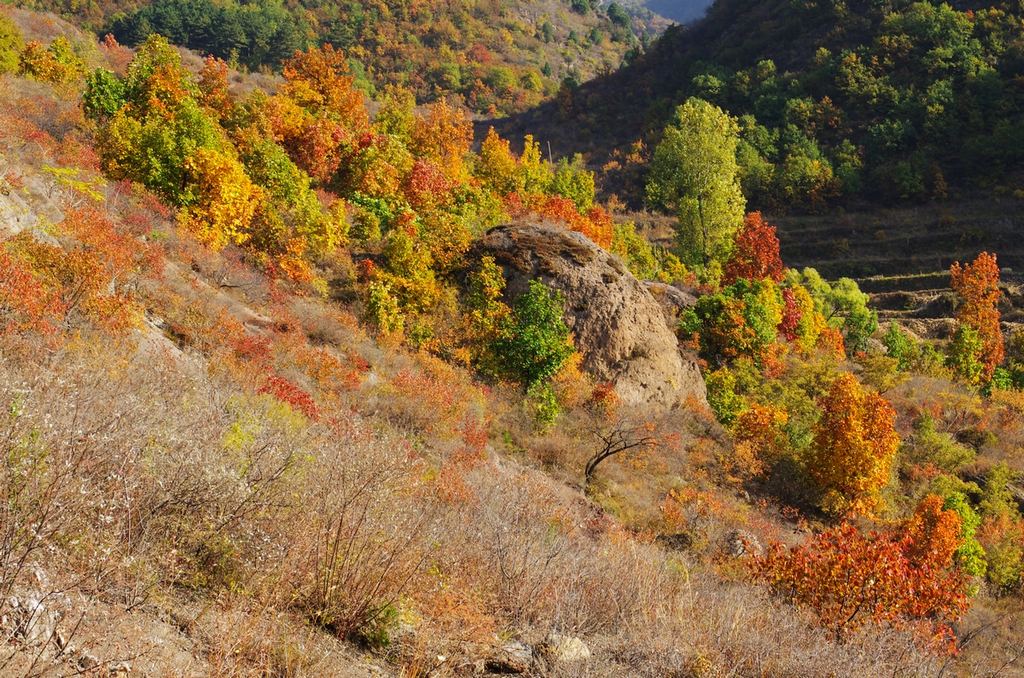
(493, 57)
(261, 403)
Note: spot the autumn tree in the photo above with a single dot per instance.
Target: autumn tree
(903, 577)
(756, 252)
(854, 447)
(443, 135)
(976, 287)
(695, 175)
(841, 305)
(213, 83)
(496, 165)
(223, 201)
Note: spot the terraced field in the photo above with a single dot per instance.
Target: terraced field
(901, 257)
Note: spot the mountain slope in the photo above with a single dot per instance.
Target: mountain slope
(682, 11)
(496, 57)
(867, 101)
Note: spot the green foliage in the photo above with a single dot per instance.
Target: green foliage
(572, 180)
(997, 498)
(644, 260)
(153, 150)
(104, 94)
(11, 44)
(694, 174)
(969, 555)
(382, 310)
(899, 346)
(842, 304)
(543, 403)
(534, 341)
(928, 445)
(257, 33)
(964, 355)
(722, 396)
(377, 632)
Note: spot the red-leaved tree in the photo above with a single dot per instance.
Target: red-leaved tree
(756, 255)
(905, 577)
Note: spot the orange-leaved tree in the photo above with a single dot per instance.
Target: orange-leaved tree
(976, 286)
(756, 254)
(854, 446)
(903, 577)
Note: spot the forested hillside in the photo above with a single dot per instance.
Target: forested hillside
(495, 57)
(837, 101)
(300, 377)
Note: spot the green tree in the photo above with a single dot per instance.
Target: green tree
(534, 341)
(11, 44)
(104, 94)
(694, 173)
(572, 180)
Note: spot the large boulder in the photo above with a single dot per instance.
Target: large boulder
(618, 326)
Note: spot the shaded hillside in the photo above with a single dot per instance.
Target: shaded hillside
(867, 101)
(683, 11)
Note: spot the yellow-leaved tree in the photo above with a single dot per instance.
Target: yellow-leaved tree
(222, 201)
(854, 447)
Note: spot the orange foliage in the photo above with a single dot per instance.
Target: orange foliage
(25, 304)
(756, 255)
(213, 84)
(443, 135)
(905, 577)
(318, 81)
(976, 286)
(830, 340)
(854, 447)
(760, 438)
(596, 224)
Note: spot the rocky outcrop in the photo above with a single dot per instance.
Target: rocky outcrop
(673, 300)
(618, 326)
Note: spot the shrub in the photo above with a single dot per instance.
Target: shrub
(56, 63)
(11, 46)
(905, 576)
(534, 341)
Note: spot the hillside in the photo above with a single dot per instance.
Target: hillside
(853, 103)
(680, 11)
(494, 57)
(296, 381)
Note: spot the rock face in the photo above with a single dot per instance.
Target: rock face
(618, 326)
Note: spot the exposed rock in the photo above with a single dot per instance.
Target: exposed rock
(512, 658)
(740, 543)
(672, 299)
(33, 621)
(566, 649)
(618, 326)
